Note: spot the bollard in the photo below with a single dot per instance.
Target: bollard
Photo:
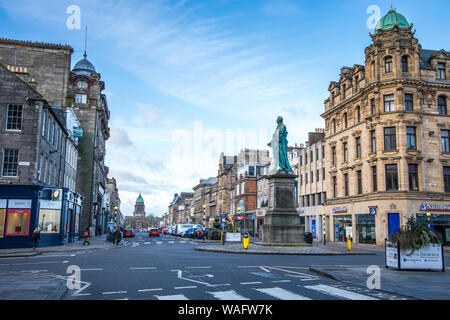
(246, 240)
(222, 238)
(349, 243)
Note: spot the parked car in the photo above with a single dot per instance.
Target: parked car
(153, 232)
(128, 233)
(190, 233)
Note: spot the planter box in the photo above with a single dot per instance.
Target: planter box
(232, 237)
(427, 258)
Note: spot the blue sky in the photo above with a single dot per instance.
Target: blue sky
(182, 77)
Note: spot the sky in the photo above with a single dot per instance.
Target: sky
(189, 79)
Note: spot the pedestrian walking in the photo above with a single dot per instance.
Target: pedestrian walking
(87, 236)
(117, 236)
(36, 236)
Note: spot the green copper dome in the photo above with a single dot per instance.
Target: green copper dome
(140, 199)
(390, 20)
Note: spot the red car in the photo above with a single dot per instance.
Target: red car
(153, 232)
(128, 233)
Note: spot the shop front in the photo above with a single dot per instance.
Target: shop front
(25, 207)
(366, 231)
(438, 220)
(342, 227)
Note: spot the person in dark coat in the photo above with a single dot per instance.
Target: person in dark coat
(117, 236)
(36, 236)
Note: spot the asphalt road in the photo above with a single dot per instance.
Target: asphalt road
(169, 268)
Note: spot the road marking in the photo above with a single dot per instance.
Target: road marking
(173, 297)
(35, 271)
(143, 268)
(197, 267)
(256, 282)
(148, 290)
(281, 281)
(265, 269)
(94, 269)
(188, 287)
(147, 242)
(282, 294)
(171, 241)
(158, 242)
(227, 295)
(114, 292)
(340, 293)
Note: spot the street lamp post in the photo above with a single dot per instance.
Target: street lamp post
(324, 215)
(428, 218)
(204, 215)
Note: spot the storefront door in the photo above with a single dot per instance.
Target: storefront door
(366, 228)
(393, 223)
(342, 227)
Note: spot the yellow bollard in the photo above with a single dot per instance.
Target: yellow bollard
(246, 240)
(349, 243)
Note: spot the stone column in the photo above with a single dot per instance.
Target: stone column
(282, 222)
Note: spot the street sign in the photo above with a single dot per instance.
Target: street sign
(372, 210)
(77, 132)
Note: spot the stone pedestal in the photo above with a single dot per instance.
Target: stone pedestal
(282, 222)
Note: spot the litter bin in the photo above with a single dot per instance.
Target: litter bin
(308, 237)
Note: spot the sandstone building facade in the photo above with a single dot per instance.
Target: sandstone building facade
(387, 138)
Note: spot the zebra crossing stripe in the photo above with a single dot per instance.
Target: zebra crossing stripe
(340, 293)
(172, 297)
(282, 294)
(227, 295)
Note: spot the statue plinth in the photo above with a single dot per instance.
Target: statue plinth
(282, 222)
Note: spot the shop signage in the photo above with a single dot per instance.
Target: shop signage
(340, 210)
(77, 132)
(372, 210)
(434, 207)
(239, 218)
(429, 257)
(19, 204)
(49, 204)
(24, 164)
(233, 237)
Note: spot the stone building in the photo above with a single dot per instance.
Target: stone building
(139, 207)
(139, 220)
(91, 107)
(262, 190)
(312, 183)
(202, 200)
(179, 208)
(114, 216)
(387, 138)
(224, 177)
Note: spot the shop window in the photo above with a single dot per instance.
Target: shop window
(18, 222)
(2, 222)
(391, 177)
(366, 229)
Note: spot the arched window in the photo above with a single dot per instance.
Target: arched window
(442, 105)
(405, 64)
(388, 64)
(345, 120)
(358, 114)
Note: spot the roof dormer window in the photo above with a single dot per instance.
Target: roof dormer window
(441, 71)
(82, 85)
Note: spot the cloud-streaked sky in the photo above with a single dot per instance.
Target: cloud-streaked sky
(189, 79)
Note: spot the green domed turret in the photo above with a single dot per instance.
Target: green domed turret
(390, 20)
(140, 199)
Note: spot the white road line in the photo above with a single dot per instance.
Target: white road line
(198, 267)
(227, 295)
(256, 282)
(171, 241)
(265, 269)
(147, 242)
(143, 268)
(67, 261)
(340, 293)
(35, 271)
(94, 269)
(114, 292)
(188, 287)
(158, 242)
(281, 281)
(173, 297)
(149, 290)
(282, 294)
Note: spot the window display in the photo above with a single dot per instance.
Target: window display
(49, 220)
(18, 222)
(366, 229)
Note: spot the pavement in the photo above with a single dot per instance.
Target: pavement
(424, 285)
(315, 249)
(98, 242)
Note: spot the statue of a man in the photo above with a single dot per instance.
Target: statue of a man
(279, 145)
